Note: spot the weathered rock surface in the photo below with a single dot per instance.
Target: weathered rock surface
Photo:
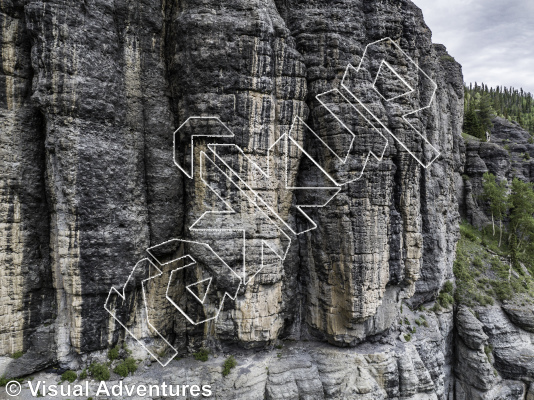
(521, 315)
(303, 370)
(90, 95)
(507, 155)
(470, 329)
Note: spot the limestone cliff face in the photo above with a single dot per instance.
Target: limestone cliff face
(91, 93)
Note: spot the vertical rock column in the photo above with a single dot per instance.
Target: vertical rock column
(236, 60)
(367, 253)
(26, 294)
(90, 85)
(345, 262)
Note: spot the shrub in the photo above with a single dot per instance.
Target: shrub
(448, 287)
(83, 374)
(121, 370)
(477, 263)
(201, 355)
(69, 376)
(99, 371)
(469, 232)
(113, 354)
(126, 367)
(503, 290)
(445, 299)
(447, 57)
(407, 337)
(16, 355)
(126, 349)
(229, 363)
(4, 380)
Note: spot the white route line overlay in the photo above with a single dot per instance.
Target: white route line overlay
(203, 156)
(360, 66)
(226, 294)
(286, 137)
(123, 297)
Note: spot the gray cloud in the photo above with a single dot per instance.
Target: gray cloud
(492, 39)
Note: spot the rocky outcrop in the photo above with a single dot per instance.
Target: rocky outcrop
(521, 315)
(507, 155)
(501, 367)
(494, 346)
(93, 93)
(470, 329)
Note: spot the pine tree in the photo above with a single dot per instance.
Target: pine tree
(485, 113)
(521, 213)
(471, 125)
(512, 104)
(496, 193)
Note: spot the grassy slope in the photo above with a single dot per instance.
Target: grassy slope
(483, 273)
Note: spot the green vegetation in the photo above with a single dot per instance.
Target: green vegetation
(483, 272)
(521, 217)
(69, 376)
(445, 298)
(488, 350)
(201, 355)
(515, 205)
(99, 371)
(16, 355)
(407, 337)
(126, 367)
(113, 354)
(83, 374)
(4, 381)
(126, 349)
(229, 363)
(421, 321)
(509, 103)
(447, 57)
(496, 194)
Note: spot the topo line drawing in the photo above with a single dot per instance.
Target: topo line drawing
(217, 158)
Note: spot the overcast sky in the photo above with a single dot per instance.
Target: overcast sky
(492, 39)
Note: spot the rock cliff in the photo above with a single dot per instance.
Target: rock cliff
(90, 95)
